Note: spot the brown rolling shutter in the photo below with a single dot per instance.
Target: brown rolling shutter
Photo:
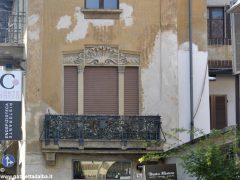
(218, 108)
(101, 90)
(131, 95)
(70, 90)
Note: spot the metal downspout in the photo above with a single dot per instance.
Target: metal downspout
(191, 69)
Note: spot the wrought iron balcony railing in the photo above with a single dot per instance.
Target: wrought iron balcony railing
(81, 128)
(12, 26)
(219, 41)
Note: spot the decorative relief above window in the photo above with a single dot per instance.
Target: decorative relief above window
(74, 58)
(101, 55)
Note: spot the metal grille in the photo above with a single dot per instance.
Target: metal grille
(102, 127)
(219, 28)
(12, 26)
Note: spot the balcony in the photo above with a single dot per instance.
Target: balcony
(12, 27)
(219, 49)
(78, 133)
(219, 41)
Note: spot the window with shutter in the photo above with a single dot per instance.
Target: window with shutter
(98, 82)
(131, 96)
(70, 90)
(218, 109)
(101, 90)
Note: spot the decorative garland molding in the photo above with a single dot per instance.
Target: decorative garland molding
(73, 59)
(101, 55)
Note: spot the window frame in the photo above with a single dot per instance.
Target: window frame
(214, 111)
(225, 38)
(72, 59)
(101, 5)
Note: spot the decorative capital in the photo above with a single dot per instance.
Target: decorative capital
(121, 69)
(80, 68)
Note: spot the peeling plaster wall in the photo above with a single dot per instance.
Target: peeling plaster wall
(64, 22)
(33, 26)
(169, 101)
(135, 26)
(152, 28)
(126, 15)
(151, 95)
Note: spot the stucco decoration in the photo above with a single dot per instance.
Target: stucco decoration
(101, 55)
(128, 59)
(73, 59)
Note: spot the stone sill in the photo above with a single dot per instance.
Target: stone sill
(12, 44)
(69, 145)
(101, 13)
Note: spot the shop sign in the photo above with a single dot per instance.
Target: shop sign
(161, 172)
(10, 105)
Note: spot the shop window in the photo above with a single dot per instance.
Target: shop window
(101, 170)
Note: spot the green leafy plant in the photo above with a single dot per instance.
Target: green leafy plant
(211, 157)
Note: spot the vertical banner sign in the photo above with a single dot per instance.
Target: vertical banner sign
(10, 105)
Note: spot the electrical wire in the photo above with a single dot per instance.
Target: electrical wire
(202, 91)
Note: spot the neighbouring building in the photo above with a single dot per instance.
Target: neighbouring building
(12, 57)
(106, 79)
(222, 81)
(235, 15)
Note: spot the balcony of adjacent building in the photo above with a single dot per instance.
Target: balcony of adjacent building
(12, 30)
(101, 134)
(219, 34)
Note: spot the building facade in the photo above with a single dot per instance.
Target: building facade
(106, 79)
(222, 81)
